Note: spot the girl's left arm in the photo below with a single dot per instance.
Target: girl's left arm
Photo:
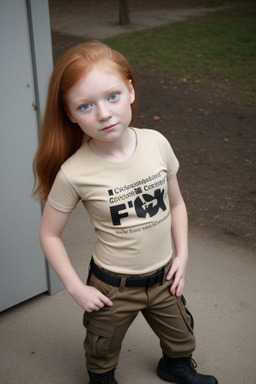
(180, 237)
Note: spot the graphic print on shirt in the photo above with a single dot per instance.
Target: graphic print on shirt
(144, 198)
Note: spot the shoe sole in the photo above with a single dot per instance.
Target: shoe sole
(166, 376)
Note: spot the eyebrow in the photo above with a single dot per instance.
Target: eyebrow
(112, 90)
(80, 101)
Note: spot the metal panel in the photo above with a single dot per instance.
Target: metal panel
(41, 49)
(22, 263)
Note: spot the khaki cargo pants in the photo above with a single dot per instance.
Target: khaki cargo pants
(166, 314)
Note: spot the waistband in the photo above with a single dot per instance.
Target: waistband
(115, 281)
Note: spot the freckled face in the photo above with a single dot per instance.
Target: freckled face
(100, 103)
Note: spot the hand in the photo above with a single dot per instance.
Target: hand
(90, 299)
(177, 272)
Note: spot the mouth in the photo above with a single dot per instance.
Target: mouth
(109, 128)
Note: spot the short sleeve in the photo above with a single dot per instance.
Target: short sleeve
(63, 196)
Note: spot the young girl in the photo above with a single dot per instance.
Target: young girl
(126, 179)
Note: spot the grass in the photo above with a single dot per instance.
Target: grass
(218, 48)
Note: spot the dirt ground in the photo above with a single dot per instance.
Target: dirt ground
(212, 131)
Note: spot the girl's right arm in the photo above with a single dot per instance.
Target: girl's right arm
(52, 225)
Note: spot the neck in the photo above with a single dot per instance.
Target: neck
(118, 150)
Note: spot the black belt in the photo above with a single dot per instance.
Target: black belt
(115, 281)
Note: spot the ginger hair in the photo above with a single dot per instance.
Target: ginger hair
(59, 137)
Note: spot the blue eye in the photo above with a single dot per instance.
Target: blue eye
(113, 96)
(84, 107)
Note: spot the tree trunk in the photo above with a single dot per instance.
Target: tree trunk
(124, 13)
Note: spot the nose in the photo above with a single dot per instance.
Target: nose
(103, 111)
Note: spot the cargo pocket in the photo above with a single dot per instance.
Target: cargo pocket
(187, 317)
(98, 337)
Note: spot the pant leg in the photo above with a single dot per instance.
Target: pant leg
(107, 327)
(171, 321)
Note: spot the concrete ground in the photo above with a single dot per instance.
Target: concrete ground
(41, 339)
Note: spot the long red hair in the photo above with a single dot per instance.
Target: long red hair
(59, 137)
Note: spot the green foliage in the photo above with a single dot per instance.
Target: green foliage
(219, 48)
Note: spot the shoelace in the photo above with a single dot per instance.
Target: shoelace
(192, 365)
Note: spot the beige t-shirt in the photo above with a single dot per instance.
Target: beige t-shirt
(127, 202)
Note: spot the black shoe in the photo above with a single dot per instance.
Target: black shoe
(103, 378)
(182, 371)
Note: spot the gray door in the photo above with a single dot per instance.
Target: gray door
(23, 272)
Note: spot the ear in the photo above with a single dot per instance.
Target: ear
(132, 92)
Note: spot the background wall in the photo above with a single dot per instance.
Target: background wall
(25, 66)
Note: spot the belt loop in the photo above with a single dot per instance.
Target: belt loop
(122, 284)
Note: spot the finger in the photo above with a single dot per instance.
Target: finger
(106, 301)
(180, 288)
(175, 285)
(170, 274)
(96, 307)
(173, 288)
